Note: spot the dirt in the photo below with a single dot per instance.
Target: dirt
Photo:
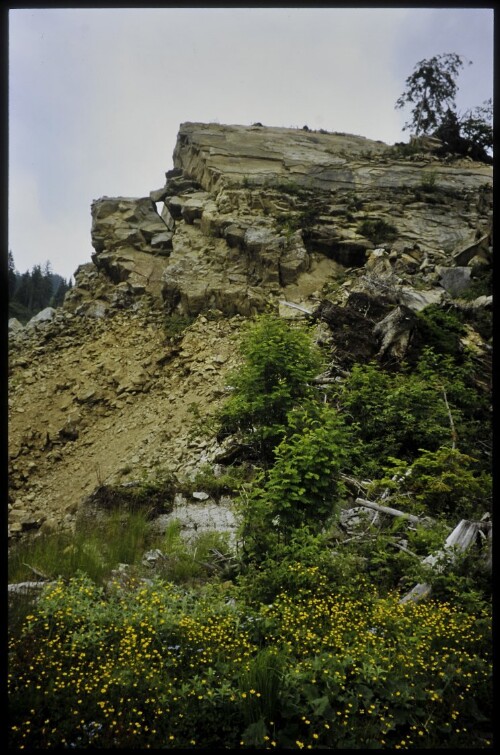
(117, 401)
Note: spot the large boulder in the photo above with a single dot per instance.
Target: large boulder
(46, 315)
(131, 242)
(15, 325)
(130, 222)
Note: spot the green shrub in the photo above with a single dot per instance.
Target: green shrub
(469, 400)
(279, 360)
(175, 324)
(303, 487)
(377, 230)
(376, 674)
(442, 483)
(462, 580)
(439, 330)
(296, 566)
(428, 182)
(481, 284)
(228, 481)
(392, 414)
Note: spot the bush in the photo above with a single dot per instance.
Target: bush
(392, 415)
(297, 566)
(441, 483)
(303, 488)
(439, 330)
(175, 324)
(279, 362)
(377, 230)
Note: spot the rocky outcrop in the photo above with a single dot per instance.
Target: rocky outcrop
(130, 238)
(122, 380)
(252, 214)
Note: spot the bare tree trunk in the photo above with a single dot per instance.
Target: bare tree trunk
(391, 511)
(462, 537)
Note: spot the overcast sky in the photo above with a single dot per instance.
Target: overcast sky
(96, 95)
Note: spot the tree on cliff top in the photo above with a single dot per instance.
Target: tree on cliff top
(431, 89)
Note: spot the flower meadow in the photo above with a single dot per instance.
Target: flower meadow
(156, 665)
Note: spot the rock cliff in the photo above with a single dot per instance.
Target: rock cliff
(115, 385)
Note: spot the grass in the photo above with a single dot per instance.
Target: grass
(189, 562)
(93, 550)
(121, 538)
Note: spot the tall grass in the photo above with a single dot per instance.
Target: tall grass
(190, 561)
(122, 537)
(94, 550)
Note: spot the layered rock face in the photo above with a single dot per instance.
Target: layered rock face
(251, 214)
(250, 218)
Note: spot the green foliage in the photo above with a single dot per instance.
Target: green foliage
(430, 88)
(292, 188)
(434, 403)
(460, 580)
(302, 489)
(406, 149)
(175, 324)
(300, 652)
(471, 135)
(440, 330)
(428, 182)
(303, 220)
(189, 562)
(156, 666)
(392, 414)
(476, 127)
(34, 290)
(153, 495)
(481, 285)
(469, 404)
(377, 230)
(94, 549)
(227, 481)
(296, 566)
(441, 483)
(279, 360)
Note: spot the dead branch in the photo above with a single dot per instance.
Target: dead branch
(37, 573)
(297, 306)
(462, 537)
(391, 511)
(403, 548)
(452, 424)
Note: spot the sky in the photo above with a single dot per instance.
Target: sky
(97, 95)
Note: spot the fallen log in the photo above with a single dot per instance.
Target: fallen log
(393, 512)
(26, 587)
(463, 536)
